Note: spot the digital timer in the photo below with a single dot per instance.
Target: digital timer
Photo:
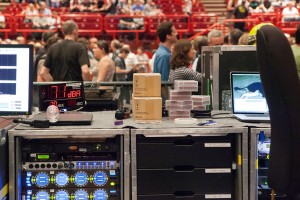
(64, 95)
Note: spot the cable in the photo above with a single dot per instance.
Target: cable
(226, 115)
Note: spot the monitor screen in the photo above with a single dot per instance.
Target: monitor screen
(16, 68)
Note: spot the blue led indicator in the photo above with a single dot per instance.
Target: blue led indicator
(28, 185)
(28, 182)
(29, 174)
(29, 191)
(113, 191)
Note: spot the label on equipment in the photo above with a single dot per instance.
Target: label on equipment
(218, 170)
(217, 144)
(218, 196)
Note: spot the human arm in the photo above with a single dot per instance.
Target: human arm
(190, 74)
(45, 74)
(85, 72)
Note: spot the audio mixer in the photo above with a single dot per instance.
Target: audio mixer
(54, 169)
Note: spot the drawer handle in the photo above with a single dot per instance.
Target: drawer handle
(184, 194)
(184, 142)
(184, 168)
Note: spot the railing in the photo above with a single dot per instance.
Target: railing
(289, 27)
(111, 25)
(266, 17)
(9, 25)
(249, 23)
(24, 27)
(180, 21)
(200, 22)
(87, 23)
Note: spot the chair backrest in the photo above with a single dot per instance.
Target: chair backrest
(282, 89)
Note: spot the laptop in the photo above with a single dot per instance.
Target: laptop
(68, 118)
(247, 96)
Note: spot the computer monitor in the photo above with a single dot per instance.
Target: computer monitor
(16, 70)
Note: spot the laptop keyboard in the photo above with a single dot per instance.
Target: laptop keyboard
(257, 115)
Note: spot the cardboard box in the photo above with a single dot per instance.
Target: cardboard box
(146, 84)
(147, 108)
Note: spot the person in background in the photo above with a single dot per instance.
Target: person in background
(167, 34)
(52, 40)
(138, 5)
(151, 60)
(75, 5)
(296, 49)
(215, 38)
(266, 7)
(240, 12)
(231, 5)
(91, 45)
(2, 21)
(183, 55)
(244, 39)
(30, 12)
(143, 60)
(67, 60)
(20, 40)
(150, 9)
(105, 69)
(115, 46)
(234, 36)
(199, 42)
(41, 52)
(188, 7)
(290, 12)
(121, 72)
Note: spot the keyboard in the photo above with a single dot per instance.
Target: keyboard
(258, 115)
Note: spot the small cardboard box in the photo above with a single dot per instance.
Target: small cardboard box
(147, 108)
(146, 84)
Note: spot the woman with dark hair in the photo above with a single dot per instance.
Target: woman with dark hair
(182, 56)
(105, 69)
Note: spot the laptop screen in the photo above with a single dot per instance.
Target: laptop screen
(247, 93)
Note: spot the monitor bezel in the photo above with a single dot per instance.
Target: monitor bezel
(30, 82)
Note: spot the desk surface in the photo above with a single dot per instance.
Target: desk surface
(106, 119)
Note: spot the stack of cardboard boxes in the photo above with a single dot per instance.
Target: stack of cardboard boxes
(180, 103)
(146, 97)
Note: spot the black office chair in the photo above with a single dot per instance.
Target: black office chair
(282, 89)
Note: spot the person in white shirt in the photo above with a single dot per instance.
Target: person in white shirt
(290, 13)
(2, 20)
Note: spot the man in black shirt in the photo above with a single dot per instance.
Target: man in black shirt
(67, 60)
